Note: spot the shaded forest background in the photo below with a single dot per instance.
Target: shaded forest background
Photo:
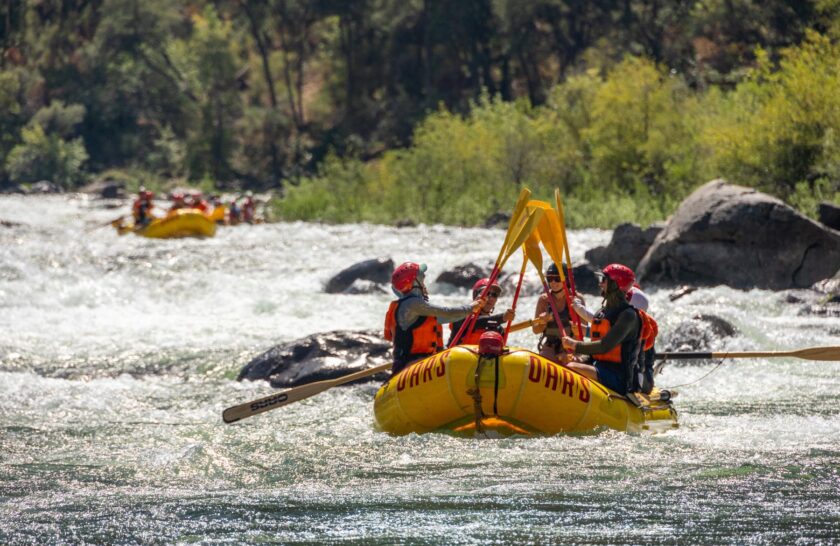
(426, 110)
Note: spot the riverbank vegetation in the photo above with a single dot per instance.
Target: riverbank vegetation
(432, 111)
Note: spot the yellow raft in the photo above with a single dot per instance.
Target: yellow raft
(178, 223)
(519, 392)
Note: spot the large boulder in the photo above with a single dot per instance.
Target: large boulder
(737, 236)
(829, 215)
(628, 246)
(318, 357)
(377, 270)
(464, 276)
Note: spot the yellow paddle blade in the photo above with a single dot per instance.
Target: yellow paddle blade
(561, 217)
(532, 250)
(527, 228)
(517, 218)
(550, 233)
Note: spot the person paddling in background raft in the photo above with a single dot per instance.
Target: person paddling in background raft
(485, 322)
(413, 324)
(549, 345)
(615, 331)
(141, 209)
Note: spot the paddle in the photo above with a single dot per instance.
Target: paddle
(516, 293)
(295, 394)
(532, 251)
(829, 354)
(561, 217)
(521, 325)
(552, 236)
(526, 229)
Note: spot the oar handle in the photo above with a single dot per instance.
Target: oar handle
(521, 325)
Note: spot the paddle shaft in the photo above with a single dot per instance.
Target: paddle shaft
(295, 394)
(829, 354)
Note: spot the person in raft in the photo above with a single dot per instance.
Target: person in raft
(616, 332)
(486, 322)
(142, 207)
(413, 324)
(640, 375)
(549, 345)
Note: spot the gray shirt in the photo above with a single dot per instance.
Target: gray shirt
(415, 307)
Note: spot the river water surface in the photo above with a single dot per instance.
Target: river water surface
(118, 354)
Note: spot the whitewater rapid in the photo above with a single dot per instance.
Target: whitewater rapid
(117, 355)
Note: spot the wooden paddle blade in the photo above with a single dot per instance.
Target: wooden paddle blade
(827, 354)
(295, 394)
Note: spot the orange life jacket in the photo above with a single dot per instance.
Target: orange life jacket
(649, 330)
(423, 338)
(602, 323)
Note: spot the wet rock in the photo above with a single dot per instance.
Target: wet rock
(739, 237)
(16, 188)
(44, 186)
(377, 270)
(829, 215)
(405, 223)
(318, 357)
(700, 333)
(628, 246)
(585, 279)
(106, 189)
(361, 286)
(680, 292)
(497, 220)
(9, 224)
(464, 276)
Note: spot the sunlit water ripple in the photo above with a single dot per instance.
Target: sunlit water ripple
(117, 355)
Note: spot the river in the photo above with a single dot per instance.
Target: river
(118, 354)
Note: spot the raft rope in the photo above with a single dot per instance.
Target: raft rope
(702, 377)
(476, 396)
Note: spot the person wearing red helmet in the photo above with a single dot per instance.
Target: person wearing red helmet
(549, 345)
(485, 322)
(615, 331)
(141, 209)
(413, 324)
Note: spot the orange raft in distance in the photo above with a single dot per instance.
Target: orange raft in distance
(519, 392)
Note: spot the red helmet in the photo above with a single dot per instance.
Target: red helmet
(404, 276)
(622, 275)
(491, 343)
(479, 285)
(148, 195)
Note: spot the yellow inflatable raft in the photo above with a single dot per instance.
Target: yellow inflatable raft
(178, 223)
(518, 392)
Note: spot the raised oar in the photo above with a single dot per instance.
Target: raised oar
(516, 293)
(830, 354)
(295, 394)
(526, 230)
(561, 217)
(532, 251)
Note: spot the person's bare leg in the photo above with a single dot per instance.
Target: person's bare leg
(585, 370)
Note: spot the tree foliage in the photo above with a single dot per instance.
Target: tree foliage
(439, 108)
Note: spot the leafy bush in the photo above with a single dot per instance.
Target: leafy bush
(47, 157)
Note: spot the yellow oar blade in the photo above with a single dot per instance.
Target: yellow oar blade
(517, 217)
(561, 217)
(527, 228)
